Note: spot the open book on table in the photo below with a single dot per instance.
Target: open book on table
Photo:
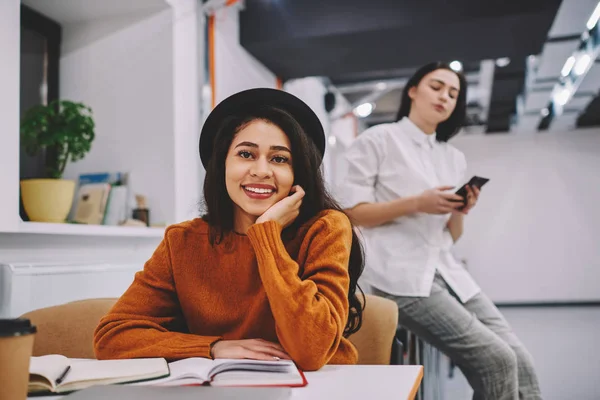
(59, 374)
(227, 372)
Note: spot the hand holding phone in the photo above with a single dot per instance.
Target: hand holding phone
(438, 201)
(474, 182)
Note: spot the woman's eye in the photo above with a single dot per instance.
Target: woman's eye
(435, 88)
(245, 154)
(280, 159)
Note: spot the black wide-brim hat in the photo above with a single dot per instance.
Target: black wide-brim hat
(253, 98)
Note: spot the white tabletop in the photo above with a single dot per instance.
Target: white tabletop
(351, 382)
(362, 382)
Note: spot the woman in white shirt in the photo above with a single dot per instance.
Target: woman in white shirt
(399, 188)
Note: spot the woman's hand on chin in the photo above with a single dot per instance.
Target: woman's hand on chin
(286, 210)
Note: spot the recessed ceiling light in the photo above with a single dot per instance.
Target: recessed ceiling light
(364, 110)
(502, 62)
(594, 17)
(562, 97)
(582, 64)
(456, 66)
(566, 69)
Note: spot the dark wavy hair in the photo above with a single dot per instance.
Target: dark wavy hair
(450, 127)
(306, 161)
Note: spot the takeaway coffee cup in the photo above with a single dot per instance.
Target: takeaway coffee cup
(16, 346)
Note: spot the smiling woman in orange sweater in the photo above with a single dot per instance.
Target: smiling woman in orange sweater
(269, 272)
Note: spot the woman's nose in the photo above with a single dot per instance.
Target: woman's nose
(261, 169)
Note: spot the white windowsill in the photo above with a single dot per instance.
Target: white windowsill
(89, 230)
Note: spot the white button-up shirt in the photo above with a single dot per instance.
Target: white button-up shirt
(389, 161)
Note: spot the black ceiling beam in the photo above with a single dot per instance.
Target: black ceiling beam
(591, 115)
(507, 84)
(564, 38)
(355, 41)
(541, 89)
(321, 38)
(551, 79)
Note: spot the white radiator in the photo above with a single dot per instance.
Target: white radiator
(29, 286)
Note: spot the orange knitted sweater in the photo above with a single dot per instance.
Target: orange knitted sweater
(293, 291)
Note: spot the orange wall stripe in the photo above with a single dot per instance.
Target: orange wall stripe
(230, 2)
(211, 59)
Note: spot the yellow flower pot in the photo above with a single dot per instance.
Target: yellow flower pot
(47, 200)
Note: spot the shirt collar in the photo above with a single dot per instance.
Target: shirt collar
(416, 134)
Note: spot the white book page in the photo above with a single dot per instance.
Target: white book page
(221, 365)
(119, 370)
(188, 371)
(255, 378)
(225, 372)
(50, 367)
(255, 373)
(176, 382)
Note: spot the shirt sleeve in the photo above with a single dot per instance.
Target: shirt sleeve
(460, 162)
(363, 159)
(309, 304)
(461, 166)
(147, 320)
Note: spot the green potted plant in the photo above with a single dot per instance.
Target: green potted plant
(63, 131)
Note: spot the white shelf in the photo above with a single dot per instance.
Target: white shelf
(89, 230)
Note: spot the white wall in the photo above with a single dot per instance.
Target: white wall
(58, 284)
(127, 80)
(535, 232)
(82, 33)
(235, 68)
(344, 127)
(564, 344)
(10, 12)
(344, 130)
(188, 57)
(340, 125)
(312, 91)
(142, 83)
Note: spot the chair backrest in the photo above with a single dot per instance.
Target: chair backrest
(375, 337)
(68, 329)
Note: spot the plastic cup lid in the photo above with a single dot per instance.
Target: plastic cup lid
(16, 327)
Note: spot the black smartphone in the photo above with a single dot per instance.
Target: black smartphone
(476, 181)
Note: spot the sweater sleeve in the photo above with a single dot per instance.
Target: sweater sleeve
(311, 310)
(147, 320)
